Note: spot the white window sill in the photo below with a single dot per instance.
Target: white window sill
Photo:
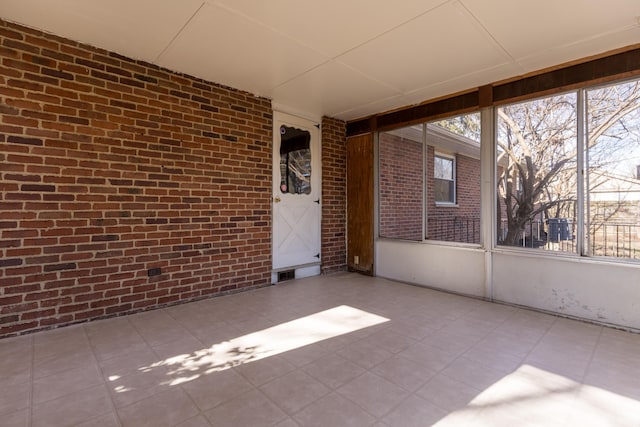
(446, 205)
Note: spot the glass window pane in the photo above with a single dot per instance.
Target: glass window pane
(443, 190)
(613, 170)
(295, 161)
(401, 183)
(443, 168)
(453, 187)
(537, 178)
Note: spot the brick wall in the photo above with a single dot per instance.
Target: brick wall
(334, 195)
(111, 168)
(401, 181)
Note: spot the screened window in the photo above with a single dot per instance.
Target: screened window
(613, 170)
(537, 179)
(429, 181)
(543, 162)
(401, 183)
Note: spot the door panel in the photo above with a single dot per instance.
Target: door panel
(296, 192)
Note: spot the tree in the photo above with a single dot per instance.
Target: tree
(537, 151)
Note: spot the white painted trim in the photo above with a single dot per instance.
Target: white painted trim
(285, 109)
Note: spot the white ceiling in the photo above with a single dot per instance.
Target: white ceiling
(342, 58)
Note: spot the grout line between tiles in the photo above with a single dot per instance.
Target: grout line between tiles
(31, 377)
(102, 377)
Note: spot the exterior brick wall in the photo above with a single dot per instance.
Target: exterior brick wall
(113, 170)
(401, 181)
(334, 195)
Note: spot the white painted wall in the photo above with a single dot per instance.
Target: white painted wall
(597, 290)
(607, 292)
(451, 268)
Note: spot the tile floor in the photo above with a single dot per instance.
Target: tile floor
(340, 350)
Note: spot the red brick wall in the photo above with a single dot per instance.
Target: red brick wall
(401, 181)
(459, 223)
(334, 195)
(111, 167)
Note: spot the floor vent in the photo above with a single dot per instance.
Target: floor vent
(286, 275)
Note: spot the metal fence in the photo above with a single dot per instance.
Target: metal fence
(615, 240)
(620, 240)
(454, 229)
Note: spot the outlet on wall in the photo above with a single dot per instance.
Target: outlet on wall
(356, 259)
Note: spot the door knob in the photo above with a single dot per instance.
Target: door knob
(277, 199)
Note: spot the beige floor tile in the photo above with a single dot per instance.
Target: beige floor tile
(197, 421)
(264, 370)
(493, 358)
(167, 408)
(16, 419)
(16, 368)
(373, 393)
(430, 357)
(447, 393)
(136, 386)
(210, 390)
(294, 391)
(404, 372)
(624, 382)
(138, 361)
(364, 354)
(58, 342)
(163, 334)
(254, 324)
(452, 342)
(289, 422)
(559, 363)
(113, 347)
(184, 346)
(215, 333)
(14, 397)
(54, 364)
(470, 372)
(414, 412)
(48, 388)
(249, 409)
(504, 343)
(303, 355)
(107, 420)
(333, 410)
(390, 340)
(72, 409)
(417, 330)
(465, 417)
(333, 370)
(16, 346)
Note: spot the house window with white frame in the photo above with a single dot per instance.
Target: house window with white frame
(444, 169)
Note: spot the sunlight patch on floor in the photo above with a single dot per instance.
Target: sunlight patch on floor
(268, 342)
(532, 396)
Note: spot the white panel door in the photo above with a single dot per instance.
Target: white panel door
(296, 192)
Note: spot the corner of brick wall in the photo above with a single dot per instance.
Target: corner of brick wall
(334, 195)
(113, 170)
